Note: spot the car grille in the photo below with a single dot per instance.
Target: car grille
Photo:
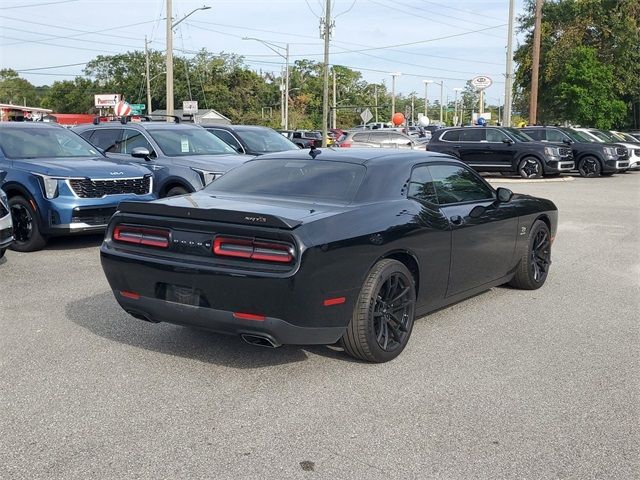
(93, 216)
(637, 151)
(87, 188)
(622, 152)
(564, 152)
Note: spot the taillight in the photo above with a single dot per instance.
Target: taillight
(346, 144)
(253, 249)
(149, 237)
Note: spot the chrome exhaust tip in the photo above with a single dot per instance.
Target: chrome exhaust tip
(259, 340)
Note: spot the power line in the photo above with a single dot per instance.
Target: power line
(54, 66)
(37, 4)
(459, 9)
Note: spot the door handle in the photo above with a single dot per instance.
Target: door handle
(456, 220)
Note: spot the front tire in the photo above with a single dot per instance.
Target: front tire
(26, 229)
(589, 167)
(533, 267)
(530, 167)
(384, 314)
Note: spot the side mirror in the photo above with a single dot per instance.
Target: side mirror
(504, 194)
(141, 152)
(567, 141)
(508, 141)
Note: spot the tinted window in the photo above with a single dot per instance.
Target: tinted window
(451, 136)
(472, 135)
(134, 139)
(108, 139)
(308, 179)
(537, 134)
(45, 142)
(177, 142)
(265, 141)
(361, 137)
(455, 184)
(421, 187)
(518, 134)
(226, 137)
(495, 136)
(554, 136)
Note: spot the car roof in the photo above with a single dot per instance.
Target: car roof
(29, 125)
(361, 156)
(145, 125)
(238, 128)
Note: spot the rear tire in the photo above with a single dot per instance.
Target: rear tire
(26, 228)
(383, 315)
(533, 268)
(2, 250)
(589, 167)
(530, 167)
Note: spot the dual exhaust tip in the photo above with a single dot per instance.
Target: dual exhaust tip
(259, 340)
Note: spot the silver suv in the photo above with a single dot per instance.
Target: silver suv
(385, 138)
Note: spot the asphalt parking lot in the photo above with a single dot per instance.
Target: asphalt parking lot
(509, 384)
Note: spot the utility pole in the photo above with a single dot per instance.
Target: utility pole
(535, 65)
(282, 102)
(146, 58)
(286, 89)
(325, 86)
(393, 92)
(169, 65)
(441, 99)
(375, 94)
(413, 108)
(334, 110)
(426, 97)
(508, 84)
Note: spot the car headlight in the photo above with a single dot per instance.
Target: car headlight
(552, 151)
(610, 151)
(207, 176)
(49, 185)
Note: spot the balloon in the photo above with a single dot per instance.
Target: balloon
(397, 119)
(424, 121)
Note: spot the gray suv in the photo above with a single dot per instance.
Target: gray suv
(384, 138)
(183, 157)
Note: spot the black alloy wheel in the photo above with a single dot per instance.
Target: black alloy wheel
(589, 167)
(533, 268)
(26, 231)
(383, 315)
(530, 167)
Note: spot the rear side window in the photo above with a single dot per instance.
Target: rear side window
(361, 137)
(458, 184)
(305, 179)
(472, 135)
(421, 186)
(108, 139)
(451, 136)
(536, 134)
(495, 136)
(555, 136)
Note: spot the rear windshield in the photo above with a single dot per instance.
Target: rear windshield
(313, 180)
(189, 141)
(45, 142)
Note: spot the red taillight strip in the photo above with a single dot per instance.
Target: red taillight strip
(141, 236)
(249, 316)
(131, 295)
(334, 301)
(252, 249)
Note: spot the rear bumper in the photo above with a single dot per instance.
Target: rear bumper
(277, 330)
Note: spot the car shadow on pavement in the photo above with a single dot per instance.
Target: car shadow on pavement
(71, 242)
(101, 315)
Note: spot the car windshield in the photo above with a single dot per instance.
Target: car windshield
(518, 135)
(180, 142)
(604, 136)
(44, 142)
(266, 141)
(313, 180)
(580, 136)
(625, 137)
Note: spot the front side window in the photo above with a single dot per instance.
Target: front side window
(421, 187)
(495, 136)
(133, 139)
(556, 136)
(226, 137)
(265, 141)
(45, 142)
(457, 184)
(180, 142)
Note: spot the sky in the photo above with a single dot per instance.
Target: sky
(441, 40)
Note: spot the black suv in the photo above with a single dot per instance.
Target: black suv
(501, 149)
(252, 139)
(592, 158)
(183, 157)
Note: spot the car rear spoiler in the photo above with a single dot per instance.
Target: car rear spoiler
(210, 214)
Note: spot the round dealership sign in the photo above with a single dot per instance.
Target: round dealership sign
(481, 82)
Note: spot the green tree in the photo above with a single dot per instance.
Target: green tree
(16, 90)
(71, 96)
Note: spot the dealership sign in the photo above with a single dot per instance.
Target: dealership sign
(106, 100)
(481, 82)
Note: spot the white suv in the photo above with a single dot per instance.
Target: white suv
(633, 149)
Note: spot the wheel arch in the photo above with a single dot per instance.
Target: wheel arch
(174, 182)
(409, 260)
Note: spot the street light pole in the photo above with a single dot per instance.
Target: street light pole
(146, 58)
(393, 92)
(426, 97)
(441, 98)
(284, 109)
(170, 27)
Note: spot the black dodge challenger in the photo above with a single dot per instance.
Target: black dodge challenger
(327, 246)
